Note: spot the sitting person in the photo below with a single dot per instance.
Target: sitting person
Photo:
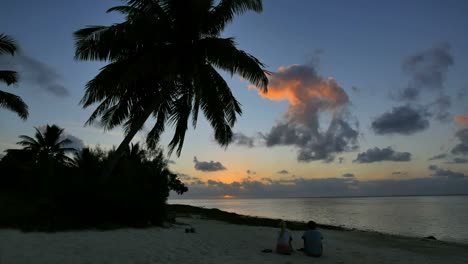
(283, 245)
(313, 240)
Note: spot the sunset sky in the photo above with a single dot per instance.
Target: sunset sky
(365, 97)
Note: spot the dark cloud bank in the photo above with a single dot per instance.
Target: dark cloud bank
(401, 120)
(208, 166)
(385, 154)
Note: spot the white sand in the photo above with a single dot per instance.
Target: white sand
(215, 242)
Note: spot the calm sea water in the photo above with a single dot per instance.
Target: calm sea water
(445, 217)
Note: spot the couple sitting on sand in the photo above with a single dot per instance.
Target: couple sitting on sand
(312, 240)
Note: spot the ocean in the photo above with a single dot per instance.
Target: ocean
(444, 217)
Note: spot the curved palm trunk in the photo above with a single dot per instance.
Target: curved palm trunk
(112, 161)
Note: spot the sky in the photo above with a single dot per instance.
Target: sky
(365, 97)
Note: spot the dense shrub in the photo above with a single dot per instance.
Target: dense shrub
(47, 194)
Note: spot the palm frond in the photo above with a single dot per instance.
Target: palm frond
(224, 13)
(7, 44)
(218, 106)
(8, 77)
(180, 114)
(223, 53)
(14, 103)
(27, 141)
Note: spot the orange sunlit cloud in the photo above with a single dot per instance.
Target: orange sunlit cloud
(229, 196)
(462, 120)
(300, 84)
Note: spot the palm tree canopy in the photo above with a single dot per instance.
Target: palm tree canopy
(164, 61)
(48, 144)
(8, 100)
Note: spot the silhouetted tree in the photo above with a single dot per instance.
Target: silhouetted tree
(48, 145)
(9, 100)
(163, 62)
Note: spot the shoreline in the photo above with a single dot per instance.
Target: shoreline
(182, 210)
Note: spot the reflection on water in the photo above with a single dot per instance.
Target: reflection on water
(444, 217)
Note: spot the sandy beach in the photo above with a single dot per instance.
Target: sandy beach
(215, 242)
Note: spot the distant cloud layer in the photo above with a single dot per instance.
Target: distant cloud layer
(438, 157)
(310, 95)
(36, 73)
(427, 71)
(457, 161)
(208, 166)
(385, 154)
(283, 172)
(441, 182)
(401, 120)
(439, 172)
(243, 140)
(348, 175)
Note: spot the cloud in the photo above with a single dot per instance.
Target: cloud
(385, 154)
(462, 120)
(76, 142)
(462, 147)
(427, 71)
(329, 187)
(401, 120)
(400, 173)
(208, 166)
(250, 172)
(34, 72)
(310, 96)
(187, 178)
(283, 172)
(348, 175)
(439, 108)
(242, 140)
(439, 172)
(457, 161)
(462, 92)
(438, 157)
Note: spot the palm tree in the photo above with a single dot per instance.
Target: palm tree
(163, 62)
(48, 144)
(8, 100)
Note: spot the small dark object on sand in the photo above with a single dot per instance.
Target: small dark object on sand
(267, 250)
(431, 237)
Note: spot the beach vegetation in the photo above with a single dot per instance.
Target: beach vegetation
(10, 101)
(45, 187)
